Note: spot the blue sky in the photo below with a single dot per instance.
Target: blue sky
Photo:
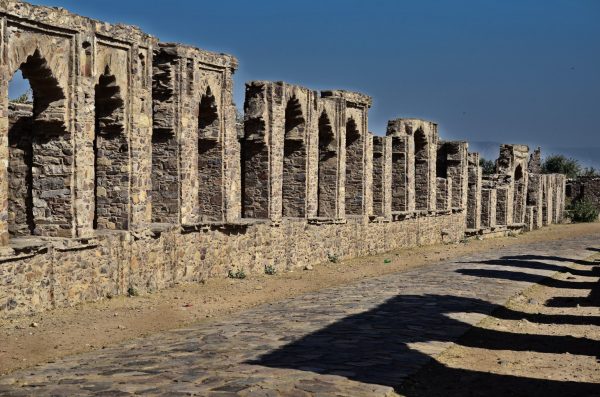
(485, 70)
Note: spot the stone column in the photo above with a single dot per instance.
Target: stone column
(403, 170)
(4, 79)
(488, 207)
(474, 192)
(444, 194)
(382, 176)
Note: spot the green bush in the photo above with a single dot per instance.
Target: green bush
(583, 211)
(488, 167)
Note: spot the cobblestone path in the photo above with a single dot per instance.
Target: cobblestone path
(357, 340)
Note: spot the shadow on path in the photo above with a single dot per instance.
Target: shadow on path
(386, 344)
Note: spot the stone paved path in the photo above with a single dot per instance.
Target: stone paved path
(357, 340)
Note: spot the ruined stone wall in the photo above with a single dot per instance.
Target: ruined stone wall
(583, 188)
(452, 162)
(421, 151)
(87, 270)
(129, 170)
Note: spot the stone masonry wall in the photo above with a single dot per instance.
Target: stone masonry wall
(129, 170)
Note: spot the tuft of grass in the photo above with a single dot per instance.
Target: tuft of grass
(270, 270)
(238, 274)
(131, 291)
(583, 211)
(387, 261)
(333, 258)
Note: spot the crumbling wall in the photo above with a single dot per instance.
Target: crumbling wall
(421, 150)
(583, 188)
(357, 189)
(452, 163)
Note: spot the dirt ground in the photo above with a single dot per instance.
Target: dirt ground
(545, 342)
(47, 336)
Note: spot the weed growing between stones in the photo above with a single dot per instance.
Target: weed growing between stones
(238, 274)
(333, 258)
(270, 270)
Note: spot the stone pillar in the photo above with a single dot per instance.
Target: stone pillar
(327, 176)
(504, 206)
(474, 192)
(280, 118)
(452, 163)
(444, 194)
(424, 139)
(357, 157)
(535, 198)
(4, 79)
(382, 164)
(488, 207)
(403, 170)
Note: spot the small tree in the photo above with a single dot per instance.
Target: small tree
(24, 97)
(488, 167)
(583, 211)
(589, 171)
(559, 164)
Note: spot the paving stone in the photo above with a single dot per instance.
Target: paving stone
(362, 339)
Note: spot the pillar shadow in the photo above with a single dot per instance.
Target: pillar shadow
(551, 258)
(532, 264)
(527, 277)
(375, 346)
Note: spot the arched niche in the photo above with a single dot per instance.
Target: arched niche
(294, 161)
(40, 154)
(422, 175)
(210, 158)
(354, 168)
(327, 172)
(111, 153)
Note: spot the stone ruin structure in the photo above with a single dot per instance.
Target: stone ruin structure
(584, 188)
(128, 171)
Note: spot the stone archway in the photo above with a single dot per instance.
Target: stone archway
(40, 156)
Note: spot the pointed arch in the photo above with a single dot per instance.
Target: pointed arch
(295, 122)
(210, 159)
(111, 153)
(519, 195)
(208, 117)
(39, 202)
(422, 175)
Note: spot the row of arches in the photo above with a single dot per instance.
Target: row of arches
(255, 168)
(40, 155)
(411, 171)
(40, 165)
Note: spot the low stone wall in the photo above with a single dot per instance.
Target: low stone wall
(49, 274)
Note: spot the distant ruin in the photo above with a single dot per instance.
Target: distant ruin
(128, 170)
